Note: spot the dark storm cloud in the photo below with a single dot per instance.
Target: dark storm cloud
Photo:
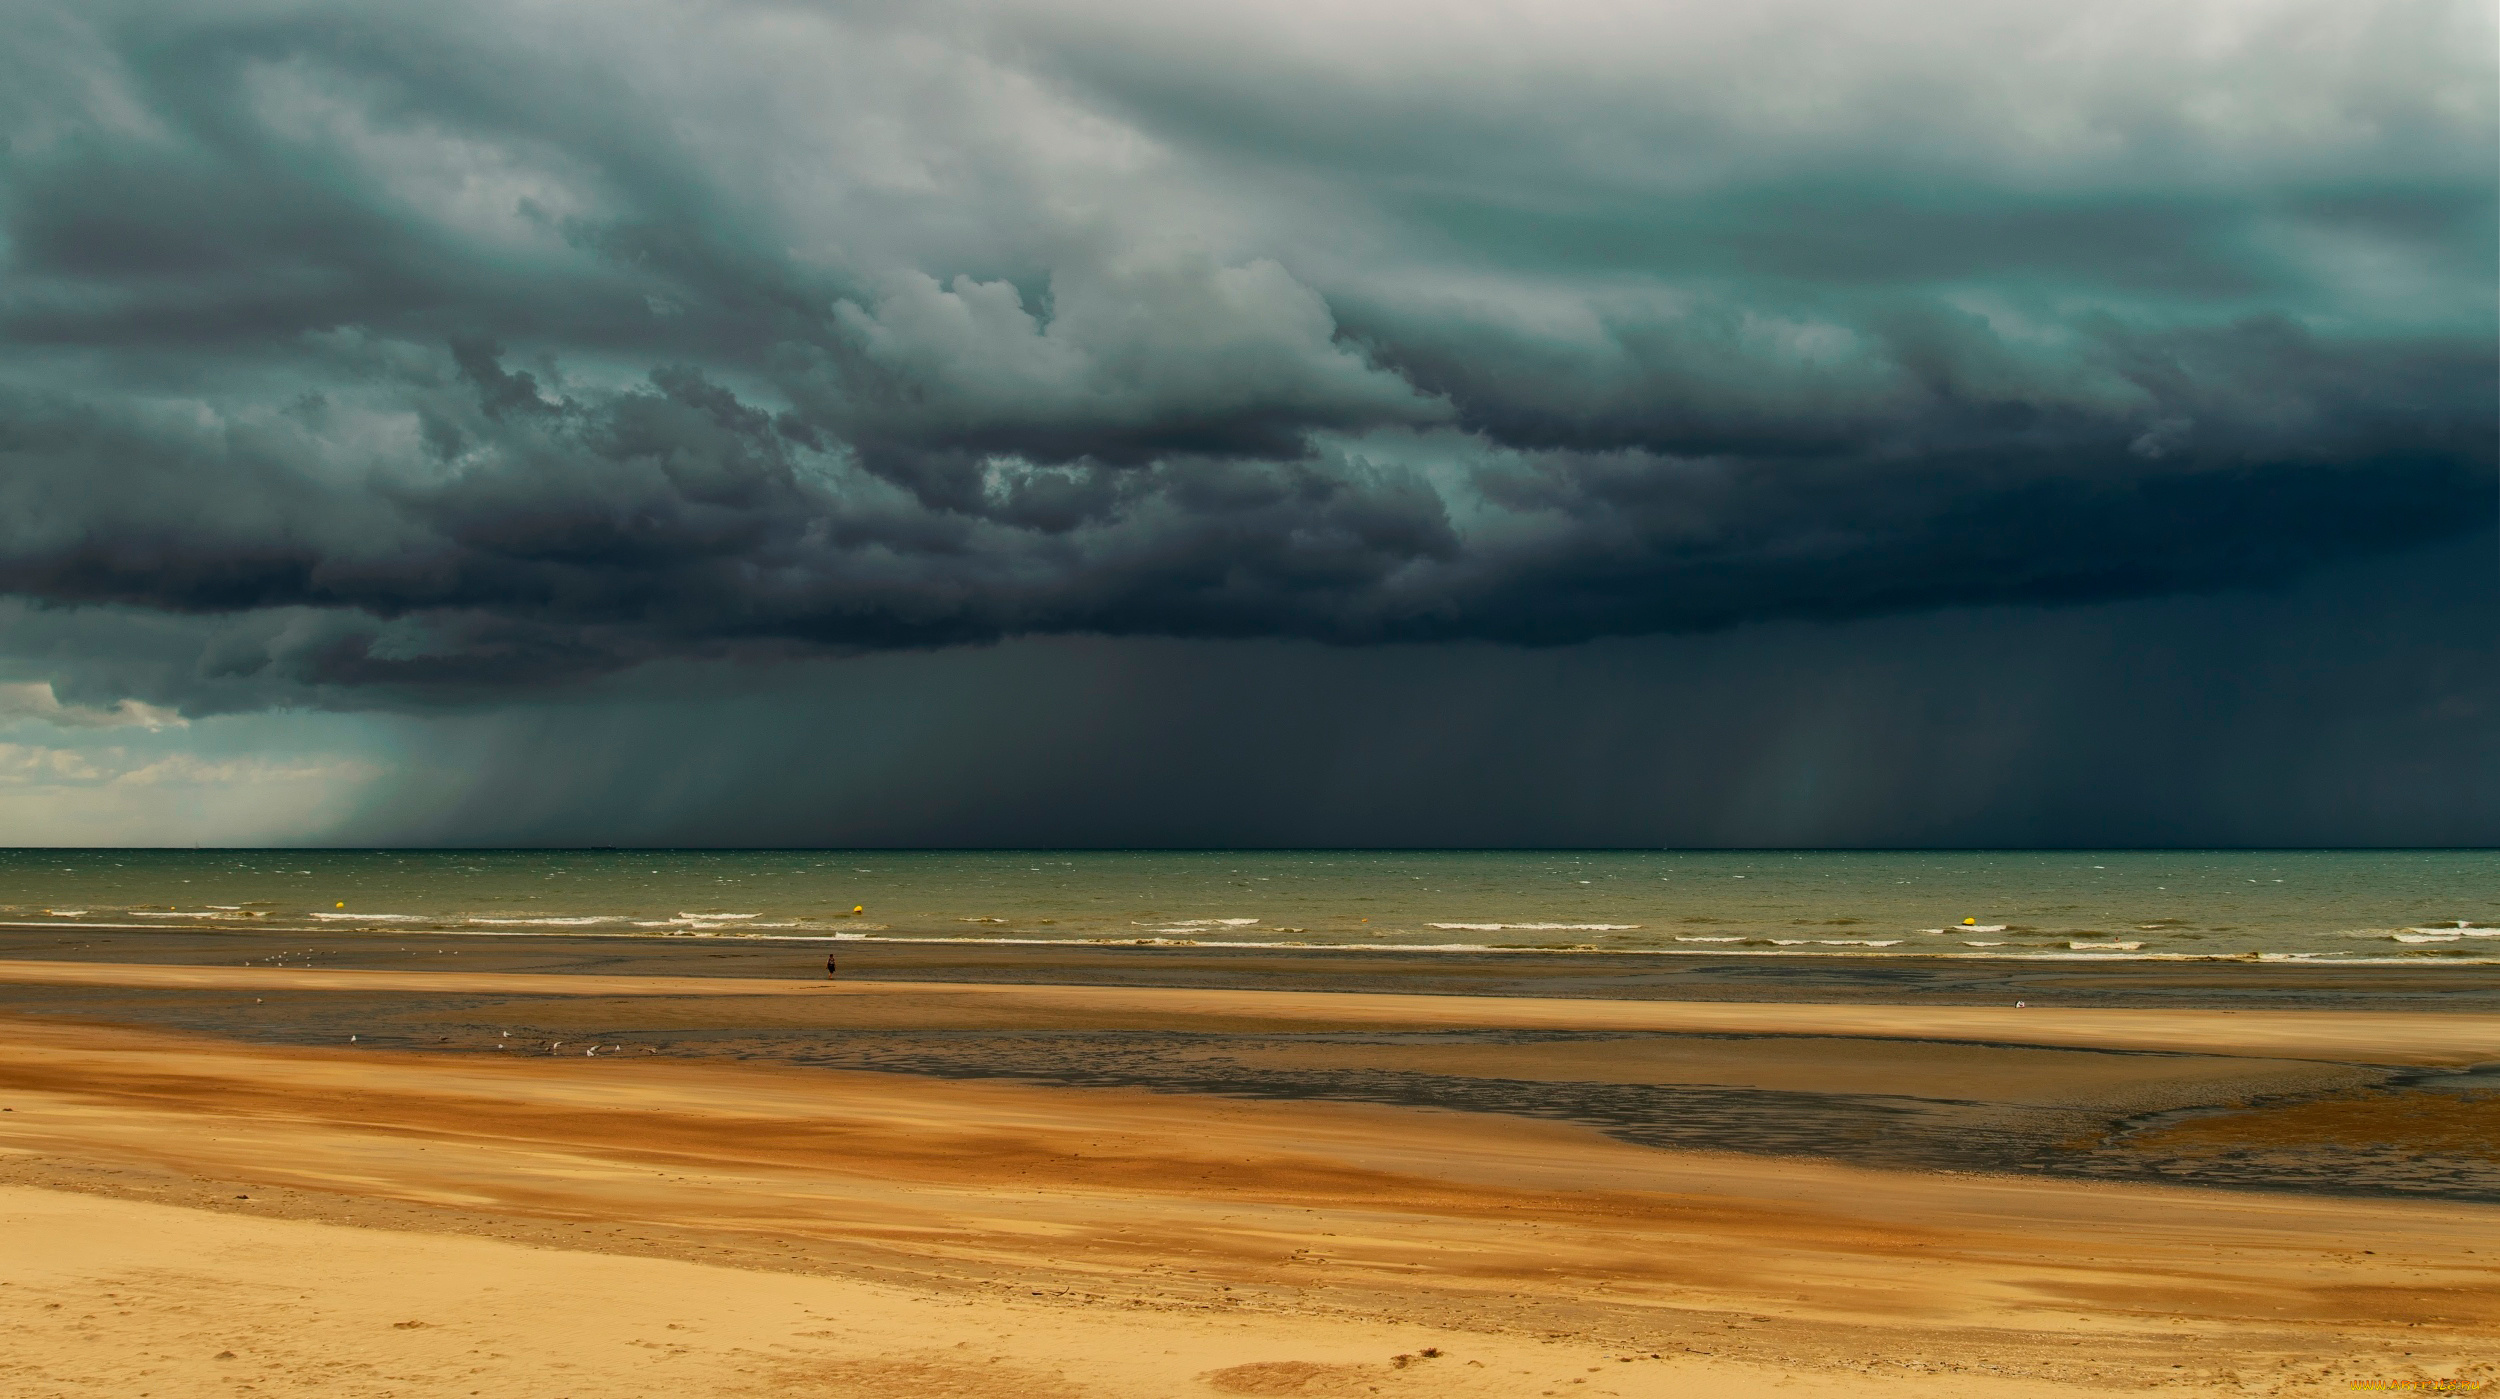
(368, 352)
(2350, 721)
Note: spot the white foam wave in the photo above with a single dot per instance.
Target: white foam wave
(718, 917)
(371, 917)
(2106, 946)
(1860, 942)
(2425, 935)
(1686, 939)
(585, 922)
(1374, 947)
(1534, 927)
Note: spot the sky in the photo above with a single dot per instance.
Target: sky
(1371, 423)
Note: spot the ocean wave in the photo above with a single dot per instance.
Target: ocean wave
(2106, 946)
(583, 922)
(1780, 947)
(374, 917)
(1859, 942)
(1534, 927)
(1783, 946)
(1695, 939)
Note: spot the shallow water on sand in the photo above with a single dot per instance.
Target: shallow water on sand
(2435, 906)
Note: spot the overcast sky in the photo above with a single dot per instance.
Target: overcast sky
(1275, 423)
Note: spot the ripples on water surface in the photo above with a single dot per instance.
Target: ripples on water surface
(2411, 906)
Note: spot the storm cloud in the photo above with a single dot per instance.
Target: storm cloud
(362, 355)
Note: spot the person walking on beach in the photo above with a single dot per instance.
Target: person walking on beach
(828, 966)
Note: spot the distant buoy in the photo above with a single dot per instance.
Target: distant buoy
(340, 904)
(858, 909)
(1970, 922)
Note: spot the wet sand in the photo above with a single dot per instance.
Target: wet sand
(2421, 984)
(1132, 1189)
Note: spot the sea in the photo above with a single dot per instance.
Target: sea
(2346, 906)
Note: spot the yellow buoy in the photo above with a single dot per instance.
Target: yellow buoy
(340, 904)
(1970, 922)
(859, 908)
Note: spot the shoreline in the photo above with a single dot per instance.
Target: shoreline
(2389, 985)
(2454, 1038)
(2093, 956)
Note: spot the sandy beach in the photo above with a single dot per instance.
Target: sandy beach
(548, 1182)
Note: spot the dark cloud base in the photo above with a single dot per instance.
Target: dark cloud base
(587, 533)
(2361, 707)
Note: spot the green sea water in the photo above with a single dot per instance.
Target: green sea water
(2339, 905)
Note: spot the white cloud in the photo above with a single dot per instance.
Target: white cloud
(24, 763)
(35, 764)
(185, 768)
(35, 700)
(139, 794)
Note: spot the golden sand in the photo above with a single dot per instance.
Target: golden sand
(190, 1215)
